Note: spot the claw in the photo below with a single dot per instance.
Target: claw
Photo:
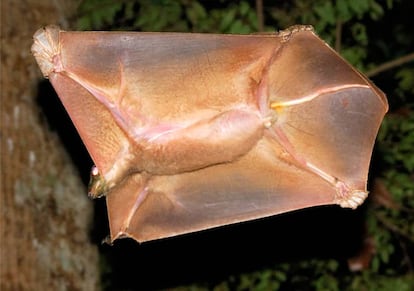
(98, 186)
(45, 48)
(349, 198)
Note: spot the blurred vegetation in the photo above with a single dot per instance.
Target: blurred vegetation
(375, 36)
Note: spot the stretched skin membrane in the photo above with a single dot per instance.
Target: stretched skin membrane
(193, 131)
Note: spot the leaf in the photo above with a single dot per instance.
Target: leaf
(326, 12)
(196, 12)
(343, 10)
(406, 79)
(360, 7)
(227, 20)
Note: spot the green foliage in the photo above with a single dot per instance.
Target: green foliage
(372, 282)
(336, 17)
(397, 142)
(96, 14)
(167, 15)
(362, 33)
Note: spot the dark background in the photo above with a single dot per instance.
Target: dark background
(307, 249)
(48, 243)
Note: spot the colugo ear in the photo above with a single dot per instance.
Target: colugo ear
(193, 131)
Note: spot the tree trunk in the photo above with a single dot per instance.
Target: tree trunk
(44, 213)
